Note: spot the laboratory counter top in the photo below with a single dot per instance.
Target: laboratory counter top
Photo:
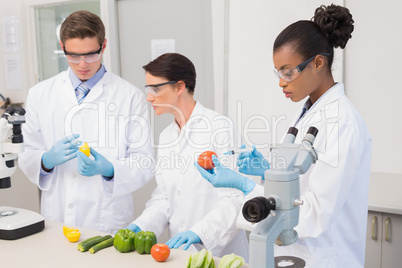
(385, 193)
(50, 248)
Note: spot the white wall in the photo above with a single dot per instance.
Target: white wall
(370, 72)
(372, 76)
(255, 101)
(22, 193)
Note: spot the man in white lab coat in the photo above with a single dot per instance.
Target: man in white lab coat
(197, 214)
(89, 104)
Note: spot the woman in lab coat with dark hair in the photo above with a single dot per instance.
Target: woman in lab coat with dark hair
(332, 222)
(197, 214)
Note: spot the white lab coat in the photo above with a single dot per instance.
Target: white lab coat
(113, 119)
(332, 222)
(183, 199)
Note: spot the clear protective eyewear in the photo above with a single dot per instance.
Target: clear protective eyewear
(290, 74)
(87, 57)
(154, 89)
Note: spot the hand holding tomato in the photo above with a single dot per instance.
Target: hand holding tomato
(205, 160)
(160, 252)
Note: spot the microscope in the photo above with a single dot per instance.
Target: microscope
(14, 222)
(277, 212)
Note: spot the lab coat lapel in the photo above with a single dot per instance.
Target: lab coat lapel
(97, 90)
(67, 89)
(187, 131)
(317, 111)
(323, 115)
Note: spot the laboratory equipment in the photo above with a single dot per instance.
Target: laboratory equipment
(277, 212)
(14, 222)
(239, 151)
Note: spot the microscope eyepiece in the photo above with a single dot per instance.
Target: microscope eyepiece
(5, 183)
(258, 208)
(313, 131)
(293, 131)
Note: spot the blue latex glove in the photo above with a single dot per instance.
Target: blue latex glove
(133, 227)
(226, 178)
(61, 152)
(188, 238)
(100, 165)
(252, 163)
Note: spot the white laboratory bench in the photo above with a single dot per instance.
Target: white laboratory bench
(50, 248)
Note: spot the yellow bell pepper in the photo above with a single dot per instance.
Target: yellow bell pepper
(73, 236)
(85, 149)
(68, 229)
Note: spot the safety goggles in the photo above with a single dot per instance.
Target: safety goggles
(290, 74)
(154, 89)
(87, 57)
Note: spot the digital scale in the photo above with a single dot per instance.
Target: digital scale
(17, 223)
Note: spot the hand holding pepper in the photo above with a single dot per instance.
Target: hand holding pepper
(100, 165)
(188, 237)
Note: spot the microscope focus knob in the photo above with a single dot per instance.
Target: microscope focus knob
(258, 208)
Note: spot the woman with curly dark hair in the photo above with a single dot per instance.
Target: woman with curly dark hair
(334, 191)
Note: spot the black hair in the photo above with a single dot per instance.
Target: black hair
(331, 27)
(174, 67)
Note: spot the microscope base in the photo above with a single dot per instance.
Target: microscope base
(289, 262)
(17, 223)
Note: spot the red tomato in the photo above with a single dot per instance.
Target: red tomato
(160, 252)
(205, 160)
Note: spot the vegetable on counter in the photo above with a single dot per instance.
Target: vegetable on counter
(104, 244)
(124, 240)
(201, 259)
(160, 252)
(90, 242)
(72, 234)
(68, 229)
(144, 241)
(231, 261)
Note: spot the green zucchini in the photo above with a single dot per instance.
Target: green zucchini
(105, 244)
(86, 241)
(87, 244)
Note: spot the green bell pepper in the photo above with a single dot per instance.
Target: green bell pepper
(144, 242)
(124, 240)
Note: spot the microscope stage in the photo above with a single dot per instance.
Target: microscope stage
(16, 223)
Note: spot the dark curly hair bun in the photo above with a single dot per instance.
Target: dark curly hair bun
(336, 23)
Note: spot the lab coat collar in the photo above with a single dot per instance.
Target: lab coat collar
(331, 95)
(195, 116)
(97, 90)
(91, 82)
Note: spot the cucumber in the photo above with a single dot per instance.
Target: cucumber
(105, 244)
(87, 244)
